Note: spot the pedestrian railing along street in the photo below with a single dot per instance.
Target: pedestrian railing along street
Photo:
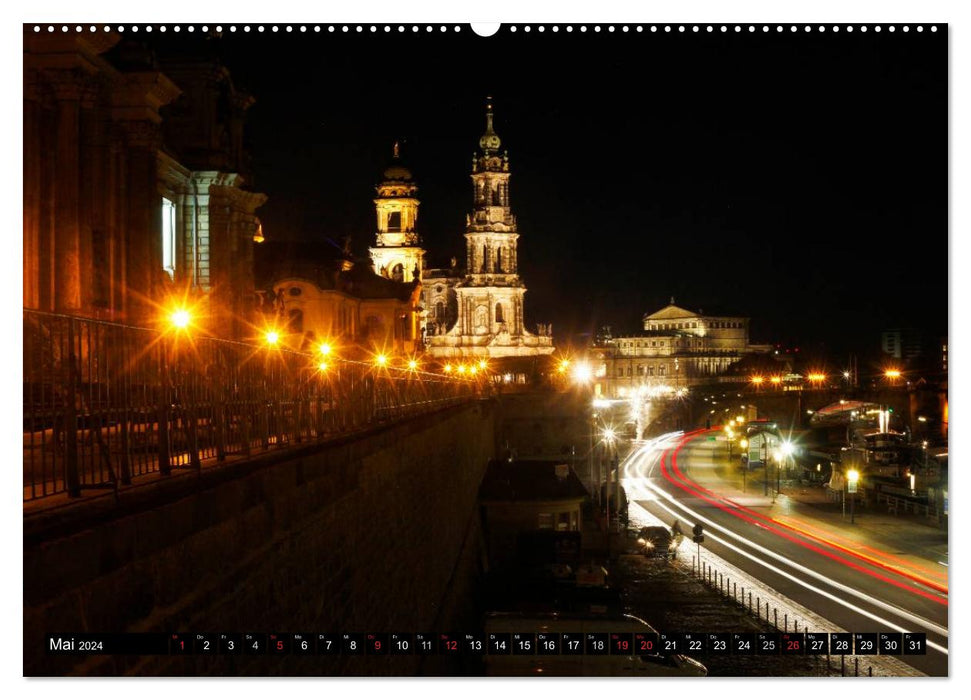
(106, 403)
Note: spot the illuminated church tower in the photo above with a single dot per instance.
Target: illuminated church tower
(397, 254)
(490, 320)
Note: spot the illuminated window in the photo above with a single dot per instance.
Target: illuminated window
(168, 237)
(545, 521)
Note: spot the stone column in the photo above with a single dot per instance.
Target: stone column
(144, 223)
(32, 167)
(116, 187)
(91, 192)
(67, 243)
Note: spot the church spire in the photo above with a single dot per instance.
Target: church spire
(490, 139)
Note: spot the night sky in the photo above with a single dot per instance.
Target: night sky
(797, 179)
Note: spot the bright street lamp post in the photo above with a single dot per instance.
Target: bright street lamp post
(852, 477)
(608, 442)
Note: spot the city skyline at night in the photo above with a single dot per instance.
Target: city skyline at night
(777, 177)
(579, 349)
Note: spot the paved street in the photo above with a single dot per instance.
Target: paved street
(881, 573)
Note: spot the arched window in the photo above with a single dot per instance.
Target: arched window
(498, 259)
(499, 318)
(398, 273)
(394, 221)
(440, 312)
(485, 257)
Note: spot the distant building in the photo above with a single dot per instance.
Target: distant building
(521, 498)
(316, 293)
(678, 348)
(905, 344)
(133, 184)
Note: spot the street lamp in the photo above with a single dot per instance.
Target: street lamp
(609, 454)
(852, 476)
(180, 318)
(582, 373)
(271, 337)
(786, 451)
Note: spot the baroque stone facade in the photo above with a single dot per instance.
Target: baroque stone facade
(397, 255)
(356, 312)
(478, 311)
(677, 349)
(132, 184)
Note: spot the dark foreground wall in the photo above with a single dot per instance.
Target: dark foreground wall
(375, 534)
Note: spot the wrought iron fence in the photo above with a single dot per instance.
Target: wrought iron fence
(105, 403)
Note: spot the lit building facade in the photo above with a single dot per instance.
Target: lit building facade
(362, 314)
(133, 192)
(478, 312)
(316, 292)
(397, 254)
(677, 349)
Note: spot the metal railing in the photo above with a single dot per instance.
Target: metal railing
(105, 403)
(901, 506)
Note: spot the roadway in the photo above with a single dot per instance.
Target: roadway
(807, 554)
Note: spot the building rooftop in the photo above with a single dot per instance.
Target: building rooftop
(530, 480)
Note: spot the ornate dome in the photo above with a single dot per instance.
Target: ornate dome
(396, 171)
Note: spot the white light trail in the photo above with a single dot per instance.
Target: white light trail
(658, 492)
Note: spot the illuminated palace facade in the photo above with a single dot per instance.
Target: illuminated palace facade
(476, 311)
(134, 172)
(677, 349)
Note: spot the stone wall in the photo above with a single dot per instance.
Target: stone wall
(370, 534)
